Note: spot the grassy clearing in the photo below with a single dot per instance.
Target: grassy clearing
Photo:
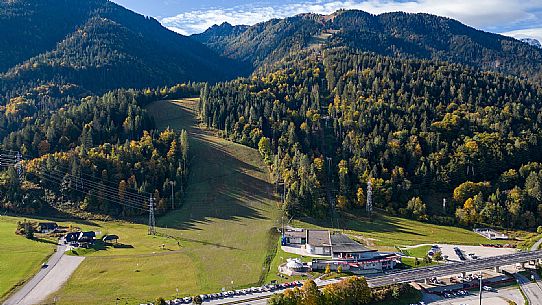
(388, 232)
(218, 238)
(420, 251)
(20, 258)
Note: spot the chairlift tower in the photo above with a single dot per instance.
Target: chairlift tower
(19, 166)
(152, 221)
(369, 206)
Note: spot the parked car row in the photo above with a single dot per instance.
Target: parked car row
(239, 292)
(452, 294)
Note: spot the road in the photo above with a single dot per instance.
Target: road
(47, 280)
(536, 245)
(262, 297)
(499, 297)
(452, 268)
(411, 275)
(532, 291)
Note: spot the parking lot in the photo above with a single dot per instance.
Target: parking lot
(476, 251)
(237, 295)
(498, 297)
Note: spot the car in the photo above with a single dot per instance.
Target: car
(487, 288)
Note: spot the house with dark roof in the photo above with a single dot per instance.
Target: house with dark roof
(80, 239)
(71, 237)
(47, 227)
(110, 238)
(86, 237)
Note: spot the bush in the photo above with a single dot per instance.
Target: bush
(160, 301)
(197, 300)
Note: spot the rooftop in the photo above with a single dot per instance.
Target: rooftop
(344, 244)
(295, 233)
(318, 238)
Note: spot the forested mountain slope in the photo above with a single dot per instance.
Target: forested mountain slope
(419, 36)
(413, 128)
(98, 45)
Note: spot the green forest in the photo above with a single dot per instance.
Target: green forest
(99, 154)
(329, 122)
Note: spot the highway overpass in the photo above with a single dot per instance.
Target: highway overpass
(440, 270)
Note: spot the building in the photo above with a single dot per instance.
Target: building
(47, 227)
(294, 237)
(110, 238)
(376, 264)
(80, 239)
(318, 242)
(345, 248)
(71, 237)
(341, 251)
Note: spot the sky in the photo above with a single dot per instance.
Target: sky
(516, 18)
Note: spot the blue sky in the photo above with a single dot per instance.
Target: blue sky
(518, 18)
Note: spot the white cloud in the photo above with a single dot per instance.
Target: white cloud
(526, 33)
(487, 14)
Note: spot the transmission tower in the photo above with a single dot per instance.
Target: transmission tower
(369, 198)
(152, 221)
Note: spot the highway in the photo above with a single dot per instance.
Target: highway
(407, 276)
(532, 291)
(417, 274)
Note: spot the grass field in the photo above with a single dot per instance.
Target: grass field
(218, 238)
(420, 251)
(388, 232)
(20, 258)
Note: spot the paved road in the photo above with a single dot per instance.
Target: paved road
(415, 275)
(452, 268)
(47, 280)
(261, 297)
(473, 298)
(536, 245)
(532, 291)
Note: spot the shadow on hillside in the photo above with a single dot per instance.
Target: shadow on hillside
(380, 223)
(221, 186)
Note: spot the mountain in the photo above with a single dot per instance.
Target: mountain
(99, 45)
(404, 35)
(217, 35)
(263, 42)
(531, 41)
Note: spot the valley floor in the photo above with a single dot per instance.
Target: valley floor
(218, 238)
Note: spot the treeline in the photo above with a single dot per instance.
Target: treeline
(109, 141)
(37, 125)
(329, 123)
(116, 179)
(349, 291)
(513, 200)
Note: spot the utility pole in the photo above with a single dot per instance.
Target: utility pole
(172, 183)
(369, 198)
(152, 221)
(480, 287)
(444, 205)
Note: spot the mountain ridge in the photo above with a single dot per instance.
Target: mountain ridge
(397, 34)
(102, 46)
